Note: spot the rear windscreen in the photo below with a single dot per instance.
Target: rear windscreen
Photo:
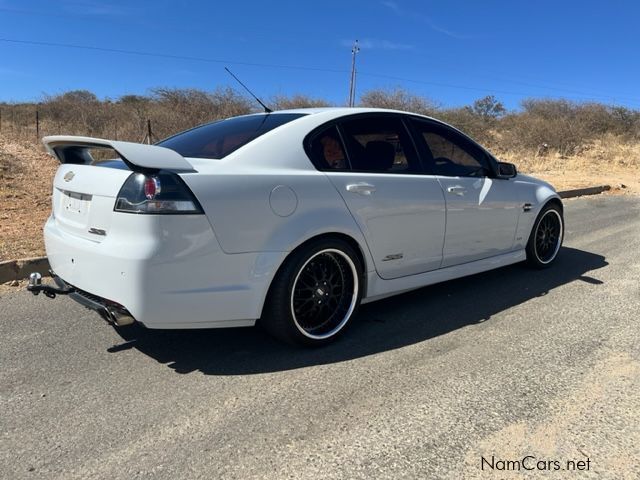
(219, 139)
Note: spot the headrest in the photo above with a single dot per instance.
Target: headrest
(379, 155)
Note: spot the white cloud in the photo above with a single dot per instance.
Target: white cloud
(391, 5)
(377, 44)
(11, 71)
(95, 8)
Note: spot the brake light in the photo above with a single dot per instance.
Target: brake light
(151, 187)
(162, 193)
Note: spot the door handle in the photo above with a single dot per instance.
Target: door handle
(457, 190)
(361, 188)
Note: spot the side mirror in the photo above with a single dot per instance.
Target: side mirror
(506, 170)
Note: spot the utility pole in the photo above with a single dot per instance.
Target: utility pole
(352, 83)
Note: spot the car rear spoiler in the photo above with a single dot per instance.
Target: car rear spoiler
(137, 156)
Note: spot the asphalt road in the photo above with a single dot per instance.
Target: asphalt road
(502, 365)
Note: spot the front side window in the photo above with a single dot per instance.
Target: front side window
(219, 139)
(379, 144)
(451, 154)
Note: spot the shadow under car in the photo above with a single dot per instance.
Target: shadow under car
(385, 325)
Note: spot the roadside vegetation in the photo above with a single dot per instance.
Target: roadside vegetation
(541, 126)
(567, 143)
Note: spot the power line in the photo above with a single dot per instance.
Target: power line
(584, 95)
(480, 89)
(167, 55)
(546, 86)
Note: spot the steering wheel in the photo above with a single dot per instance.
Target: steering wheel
(447, 166)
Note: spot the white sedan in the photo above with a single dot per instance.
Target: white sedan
(288, 219)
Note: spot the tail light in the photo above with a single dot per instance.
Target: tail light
(162, 193)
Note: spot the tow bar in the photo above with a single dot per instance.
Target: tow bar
(110, 311)
(35, 286)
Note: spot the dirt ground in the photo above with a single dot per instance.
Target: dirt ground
(26, 173)
(622, 181)
(606, 161)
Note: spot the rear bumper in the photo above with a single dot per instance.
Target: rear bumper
(112, 313)
(167, 271)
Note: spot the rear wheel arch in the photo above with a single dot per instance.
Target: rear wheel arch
(274, 318)
(353, 243)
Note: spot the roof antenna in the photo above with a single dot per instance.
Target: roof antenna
(266, 109)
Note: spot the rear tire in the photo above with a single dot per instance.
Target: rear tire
(546, 237)
(314, 294)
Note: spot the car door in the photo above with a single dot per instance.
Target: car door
(482, 210)
(372, 162)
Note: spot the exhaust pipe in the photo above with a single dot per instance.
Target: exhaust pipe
(119, 317)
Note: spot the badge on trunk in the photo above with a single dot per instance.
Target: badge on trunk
(69, 176)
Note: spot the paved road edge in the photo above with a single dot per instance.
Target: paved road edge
(579, 192)
(20, 269)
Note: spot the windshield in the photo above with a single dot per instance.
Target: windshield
(219, 139)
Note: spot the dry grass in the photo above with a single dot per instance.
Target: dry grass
(26, 174)
(609, 160)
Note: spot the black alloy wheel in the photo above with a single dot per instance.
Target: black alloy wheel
(324, 293)
(546, 237)
(315, 293)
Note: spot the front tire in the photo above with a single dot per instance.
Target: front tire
(315, 294)
(546, 237)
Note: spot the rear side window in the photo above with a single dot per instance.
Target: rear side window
(327, 152)
(379, 144)
(219, 139)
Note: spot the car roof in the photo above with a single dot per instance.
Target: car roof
(324, 114)
(340, 111)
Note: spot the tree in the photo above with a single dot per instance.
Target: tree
(398, 99)
(79, 96)
(283, 102)
(488, 108)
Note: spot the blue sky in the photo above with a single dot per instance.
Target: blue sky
(451, 51)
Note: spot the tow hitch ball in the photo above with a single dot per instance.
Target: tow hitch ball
(35, 286)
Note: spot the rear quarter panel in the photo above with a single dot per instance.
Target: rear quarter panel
(267, 196)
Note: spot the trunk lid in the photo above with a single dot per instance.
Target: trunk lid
(84, 197)
(85, 190)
